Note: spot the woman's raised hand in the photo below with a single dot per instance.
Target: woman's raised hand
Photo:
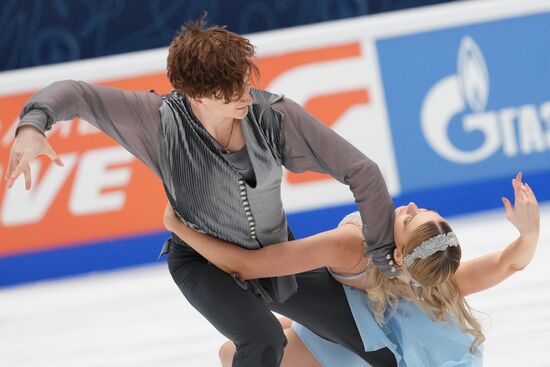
(524, 214)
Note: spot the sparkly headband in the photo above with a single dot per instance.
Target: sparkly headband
(431, 246)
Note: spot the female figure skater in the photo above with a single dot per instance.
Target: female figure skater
(421, 316)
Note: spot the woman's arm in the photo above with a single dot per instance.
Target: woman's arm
(489, 270)
(341, 247)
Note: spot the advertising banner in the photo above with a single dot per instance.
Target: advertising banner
(468, 103)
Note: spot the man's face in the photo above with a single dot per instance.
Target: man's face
(237, 108)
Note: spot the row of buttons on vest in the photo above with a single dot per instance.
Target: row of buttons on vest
(247, 210)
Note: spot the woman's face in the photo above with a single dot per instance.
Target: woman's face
(407, 219)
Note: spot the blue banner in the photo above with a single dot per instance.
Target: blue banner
(469, 104)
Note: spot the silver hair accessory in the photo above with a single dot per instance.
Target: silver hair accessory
(431, 246)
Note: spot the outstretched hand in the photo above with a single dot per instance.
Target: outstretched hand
(524, 214)
(29, 144)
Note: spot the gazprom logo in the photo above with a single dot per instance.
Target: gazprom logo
(517, 130)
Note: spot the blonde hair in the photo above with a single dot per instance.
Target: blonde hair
(438, 296)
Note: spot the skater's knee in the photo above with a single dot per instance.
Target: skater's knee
(272, 347)
(266, 348)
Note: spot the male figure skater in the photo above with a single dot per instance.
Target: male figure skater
(218, 146)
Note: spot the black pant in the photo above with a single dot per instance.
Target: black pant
(244, 318)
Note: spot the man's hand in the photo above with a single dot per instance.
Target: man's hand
(29, 144)
(524, 215)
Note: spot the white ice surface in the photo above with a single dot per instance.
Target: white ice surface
(139, 318)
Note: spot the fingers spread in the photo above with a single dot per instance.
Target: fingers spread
(517, 189)
(9, 168)
(508, 207)
(523, 190)
(16, 173)
(27, 173)
(54, 157)
(519, 176)
(531, 195)
(56, 160)
(59, 162)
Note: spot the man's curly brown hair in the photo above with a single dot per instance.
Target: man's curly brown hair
(210, 62)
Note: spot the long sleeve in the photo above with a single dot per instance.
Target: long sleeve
(131, 118)
(308, 145)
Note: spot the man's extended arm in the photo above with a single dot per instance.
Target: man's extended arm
(131, 118)
(308, 145)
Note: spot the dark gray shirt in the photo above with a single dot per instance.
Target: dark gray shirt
(241, 162)
(133, 119)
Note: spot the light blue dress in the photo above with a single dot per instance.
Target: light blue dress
(414, 339)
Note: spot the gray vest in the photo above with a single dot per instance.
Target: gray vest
(211, 197)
